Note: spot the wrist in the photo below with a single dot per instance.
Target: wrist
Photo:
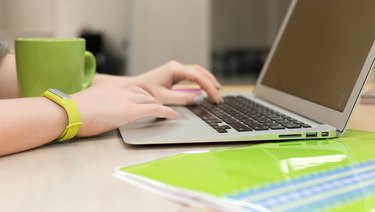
(87, 113)
(51, 110)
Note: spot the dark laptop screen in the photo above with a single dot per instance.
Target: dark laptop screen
(322, 50)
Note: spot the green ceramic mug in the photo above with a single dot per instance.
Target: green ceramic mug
(61, 63)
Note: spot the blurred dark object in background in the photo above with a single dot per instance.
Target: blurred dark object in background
(106, 61)
(239, 61)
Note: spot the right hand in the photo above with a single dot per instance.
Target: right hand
(115, 102)
(159, 83)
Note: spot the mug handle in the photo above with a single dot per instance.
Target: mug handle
(90, 69)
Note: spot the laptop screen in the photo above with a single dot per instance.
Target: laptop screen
(323, 45)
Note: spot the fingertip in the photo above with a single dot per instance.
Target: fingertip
(217, 99)
(188, 99)
(170, 113)
(198, 99)
(221, 99)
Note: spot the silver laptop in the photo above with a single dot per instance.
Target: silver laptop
(307, 89)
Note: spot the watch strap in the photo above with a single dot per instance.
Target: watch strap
(68, 104)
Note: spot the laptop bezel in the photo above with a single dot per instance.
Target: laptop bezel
(308, 109)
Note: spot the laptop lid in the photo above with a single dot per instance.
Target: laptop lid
(321, 59)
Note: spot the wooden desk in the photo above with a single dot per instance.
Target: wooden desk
(77, 176)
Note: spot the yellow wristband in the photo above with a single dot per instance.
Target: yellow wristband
(66, 102)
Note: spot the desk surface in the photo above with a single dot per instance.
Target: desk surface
(77, 176)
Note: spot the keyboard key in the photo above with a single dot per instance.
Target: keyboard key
(276, 127)
(241, 127)
(221, 130)
(291, 125)
(225, 127)
(305, 126)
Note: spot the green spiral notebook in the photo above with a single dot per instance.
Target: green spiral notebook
(325, 175)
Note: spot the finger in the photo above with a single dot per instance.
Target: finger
(139, 90)
(209, 75)
(155, 110)
(178, 97)
(196, 76)
(144, 99)
(143, 86)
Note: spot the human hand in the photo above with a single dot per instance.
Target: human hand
(159, 82)
(114, 102)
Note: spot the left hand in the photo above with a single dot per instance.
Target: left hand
(112, 102)
(159, 82)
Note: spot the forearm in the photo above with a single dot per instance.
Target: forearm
(27, 123)
(8, 77)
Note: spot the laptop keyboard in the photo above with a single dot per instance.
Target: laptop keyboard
(243, 115)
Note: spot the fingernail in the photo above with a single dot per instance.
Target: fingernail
(198, 99)
(221, 100)
(174, 115)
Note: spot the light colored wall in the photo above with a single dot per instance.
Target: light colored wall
(162, 30)
(65, 18)
(1, 19)
(22, 18)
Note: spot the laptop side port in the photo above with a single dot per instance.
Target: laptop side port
(311, 135)
(290, 136)
(325, 134)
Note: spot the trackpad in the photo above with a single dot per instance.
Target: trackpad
(159, 122)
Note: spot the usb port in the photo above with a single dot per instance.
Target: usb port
(311, 135)
(325, 134)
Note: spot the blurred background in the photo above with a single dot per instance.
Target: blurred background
(229, 37)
